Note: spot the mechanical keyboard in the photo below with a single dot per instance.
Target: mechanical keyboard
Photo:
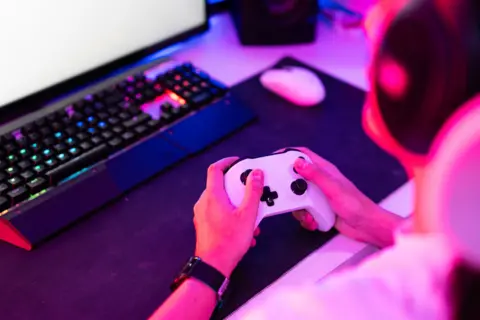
(57, 168)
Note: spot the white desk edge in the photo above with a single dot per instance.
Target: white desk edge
(342, 54)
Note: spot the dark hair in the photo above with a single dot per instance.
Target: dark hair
(465, 292)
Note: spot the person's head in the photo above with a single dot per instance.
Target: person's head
(423, 110)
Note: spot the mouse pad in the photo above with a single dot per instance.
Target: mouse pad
(119, 262)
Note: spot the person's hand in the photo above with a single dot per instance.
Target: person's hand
(224, 232)
(358, 217)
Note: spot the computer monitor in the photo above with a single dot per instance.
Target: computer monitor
(45, 43)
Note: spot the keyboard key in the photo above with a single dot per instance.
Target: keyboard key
(12, 158)
(128, 136)
(118, 129)
(143, 117)
(103, 115)
(40, 122)
(92, 120)
(39, 168)
(92, 131)
(11, 171)
(3, 164)
(70, 141)
(3, 187)
(99, 106)
(24, 164)
(51, 162)
(56, 126)
(76, 116)
(36, 158)
(62, 157)
(22, 142)
(60, 147)
(141, 130)
(70, 131)
(96, 140)
(47, 153)
(113, 121)
(86, 159)
(133, 110)
(52, 116)
(102, 125)
(74, 151)
(10, 147)
(124, 116)
(113, 110)
(4, 204)
(85, 146)
(113, 98)
(18, 195)
(154, 124)
(35, 146)
(37, 185)
(15, 182)
(88, 111)
(115, 142)
(24, 153)
(58, 135)
(107, 134)
(26, 175)
(2, 176)
(201, 98)
(49, 141)
(167, 107)
(82, 136)
(28, 128)
(80, 125)
(45, 131)
(34, 136)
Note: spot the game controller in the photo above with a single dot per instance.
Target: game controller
(284, 189)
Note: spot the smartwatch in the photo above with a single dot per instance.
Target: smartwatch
(200, 270)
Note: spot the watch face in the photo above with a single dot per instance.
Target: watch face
(187, 270)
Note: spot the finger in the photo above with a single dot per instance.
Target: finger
(309, 226)
(215, 173)
(253, 193)
(321, 178)
(253, 243)
(299, 215)
(256, 233)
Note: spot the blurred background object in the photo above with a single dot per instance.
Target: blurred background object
(280, 22)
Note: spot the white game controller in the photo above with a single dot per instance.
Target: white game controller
(284, 190)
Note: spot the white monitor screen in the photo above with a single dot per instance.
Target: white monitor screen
(45, 42)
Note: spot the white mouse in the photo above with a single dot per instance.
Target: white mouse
(297, 85)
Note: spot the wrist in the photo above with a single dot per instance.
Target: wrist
(218, 261)
(383, 227)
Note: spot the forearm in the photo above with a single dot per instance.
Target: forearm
(192, 300)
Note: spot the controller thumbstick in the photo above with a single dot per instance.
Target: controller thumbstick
(244, 176)
(299, 187)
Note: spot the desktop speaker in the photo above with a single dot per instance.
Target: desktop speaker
(275, 22)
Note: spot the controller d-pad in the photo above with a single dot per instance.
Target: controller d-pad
(244, 176)
(269, 196)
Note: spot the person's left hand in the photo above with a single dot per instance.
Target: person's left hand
(224, 232)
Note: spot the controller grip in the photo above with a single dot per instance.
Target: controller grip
(325, 218)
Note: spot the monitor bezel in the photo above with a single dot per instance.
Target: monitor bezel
(44, 97)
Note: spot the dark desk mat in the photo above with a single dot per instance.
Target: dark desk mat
(119, 262)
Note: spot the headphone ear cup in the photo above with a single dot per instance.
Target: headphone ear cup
(419, 41)
(449, 198)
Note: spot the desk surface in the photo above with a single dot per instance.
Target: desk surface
(340, 53)
(343, 55)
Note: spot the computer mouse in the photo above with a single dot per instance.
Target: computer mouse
(298, 85)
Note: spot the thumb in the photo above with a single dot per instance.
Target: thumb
(321, 178)
(253, 193)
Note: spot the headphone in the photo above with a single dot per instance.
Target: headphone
(437, 116)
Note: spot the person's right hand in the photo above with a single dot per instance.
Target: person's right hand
(358, 217)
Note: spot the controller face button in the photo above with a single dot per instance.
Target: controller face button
(294, 167)
(244, 175)
(269, 196)
(299, 187)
